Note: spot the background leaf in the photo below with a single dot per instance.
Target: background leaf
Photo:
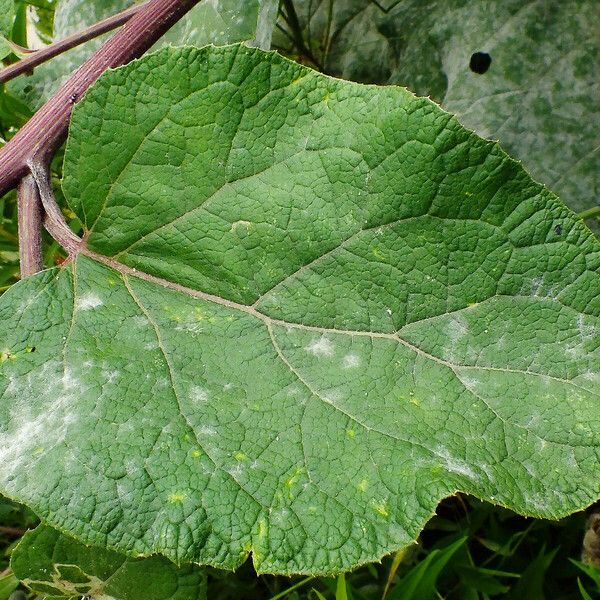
(538, 96)
(7, 16)
(52, 563)
(218, 22)
(307, 311)
(530, 585)
(8, 584)
(5, 47)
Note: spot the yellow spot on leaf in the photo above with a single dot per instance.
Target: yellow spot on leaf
(177, 497)
(199, 314)
(378, 254)
(294, 478)
(67, 212)
(240, 456)
(262, 529)
(381, 509)
(245, 226)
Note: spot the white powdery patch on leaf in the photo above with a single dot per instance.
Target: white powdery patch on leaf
(332, 396)
(455, 465)
(198, 394)
(321, 347)
(351, 361)
(30, 433)
(88, 302)
(456, 330)
(140, 321)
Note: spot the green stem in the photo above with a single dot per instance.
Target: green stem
(594, 211)
(8, 236)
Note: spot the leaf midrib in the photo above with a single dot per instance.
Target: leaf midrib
(269, 321)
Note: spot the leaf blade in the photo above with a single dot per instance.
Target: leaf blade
(315, 438)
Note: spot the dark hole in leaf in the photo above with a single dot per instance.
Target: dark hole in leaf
(558, 229)
(480, 62)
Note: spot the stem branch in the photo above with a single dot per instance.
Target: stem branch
(54, 221)
(37, 140)
(594, 211)
(37, 57)
(29, 210)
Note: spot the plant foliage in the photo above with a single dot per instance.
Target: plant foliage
(538, 96)
(51, 563)
(306, 310)
(217, 22)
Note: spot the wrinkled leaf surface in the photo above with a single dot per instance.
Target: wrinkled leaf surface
(306, 310)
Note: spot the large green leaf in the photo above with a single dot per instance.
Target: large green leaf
(216, 22)
(539, 97)
(52, 563)
(306, 310)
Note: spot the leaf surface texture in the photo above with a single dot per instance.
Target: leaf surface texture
(306, 311)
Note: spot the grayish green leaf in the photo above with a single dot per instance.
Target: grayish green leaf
(5, 47)
(49, 562)
(306, 311)
(7, 16)
(226, 21)
(265, 23)
(539, 97)
(216, 22)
